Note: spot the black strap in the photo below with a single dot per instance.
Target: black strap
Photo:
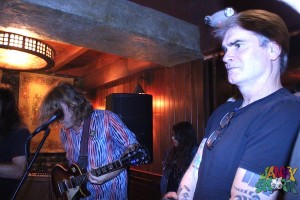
(83, 156)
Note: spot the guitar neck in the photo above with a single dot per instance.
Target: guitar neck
(79, 180)
(107, 168)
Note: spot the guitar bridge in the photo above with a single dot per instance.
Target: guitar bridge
(66, 185)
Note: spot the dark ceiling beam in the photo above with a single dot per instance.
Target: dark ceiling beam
(113, 26)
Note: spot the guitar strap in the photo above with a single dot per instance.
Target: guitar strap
(83, 156)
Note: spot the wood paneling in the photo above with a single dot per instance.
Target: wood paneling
(143, 186)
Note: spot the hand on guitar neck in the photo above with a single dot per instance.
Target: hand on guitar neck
(106, 177)
(70, 183)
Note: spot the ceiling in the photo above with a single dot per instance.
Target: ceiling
(100, 41)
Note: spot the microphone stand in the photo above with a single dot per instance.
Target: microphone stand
(46, 134)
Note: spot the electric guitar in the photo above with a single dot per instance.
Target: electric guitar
(70, 183)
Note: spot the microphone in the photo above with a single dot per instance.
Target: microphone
(56, 116)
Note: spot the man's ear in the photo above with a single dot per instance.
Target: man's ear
(274, 50)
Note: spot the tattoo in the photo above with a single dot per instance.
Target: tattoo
(185, 196)
(187, 188)
(182, 194)
(251, 179)
(246, 194)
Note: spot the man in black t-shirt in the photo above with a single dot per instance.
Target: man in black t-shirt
(247, 143)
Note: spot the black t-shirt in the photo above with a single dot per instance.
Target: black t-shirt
(259, 135)
(12, 146)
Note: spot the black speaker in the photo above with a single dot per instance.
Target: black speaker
(135, 110)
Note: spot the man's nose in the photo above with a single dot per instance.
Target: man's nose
(228, 55)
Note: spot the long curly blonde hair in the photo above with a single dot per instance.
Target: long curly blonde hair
(67, 94)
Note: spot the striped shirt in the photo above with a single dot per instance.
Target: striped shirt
(107, 142)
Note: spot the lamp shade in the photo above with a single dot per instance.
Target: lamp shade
(19, 52)
(138, 89)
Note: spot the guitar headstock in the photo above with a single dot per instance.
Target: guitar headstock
(136, 157)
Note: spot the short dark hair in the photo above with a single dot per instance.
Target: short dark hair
(266, 24)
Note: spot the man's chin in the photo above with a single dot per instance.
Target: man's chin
(231, 81)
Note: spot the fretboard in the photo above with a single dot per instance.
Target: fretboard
(79, 180)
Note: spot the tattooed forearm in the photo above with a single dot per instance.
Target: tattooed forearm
(189, 180)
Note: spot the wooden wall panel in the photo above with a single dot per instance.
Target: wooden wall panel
(177, 96)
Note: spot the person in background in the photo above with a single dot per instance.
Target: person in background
(108, 140)
(13, 135)
(256, 133)
(178, 158)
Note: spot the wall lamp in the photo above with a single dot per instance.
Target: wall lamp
(19, 52)
(148, 78)
(139, 89)
(219, 18)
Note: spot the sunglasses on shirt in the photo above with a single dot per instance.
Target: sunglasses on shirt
(216, 135)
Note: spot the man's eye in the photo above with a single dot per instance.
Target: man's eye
(237, 45)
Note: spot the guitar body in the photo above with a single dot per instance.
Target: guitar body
(71, 184)
(63, 185)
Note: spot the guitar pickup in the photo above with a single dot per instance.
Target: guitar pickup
(72, 183)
